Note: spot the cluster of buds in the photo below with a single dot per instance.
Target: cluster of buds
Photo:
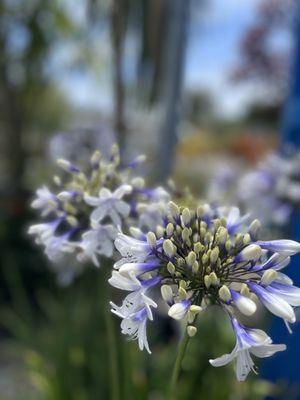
(83, 214)
(204, 257)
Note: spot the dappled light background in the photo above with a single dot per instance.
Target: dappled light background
(199, 87)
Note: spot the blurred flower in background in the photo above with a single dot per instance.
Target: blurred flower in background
(83, 215)
(270, 191)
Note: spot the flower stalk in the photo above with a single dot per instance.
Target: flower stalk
(177, 366)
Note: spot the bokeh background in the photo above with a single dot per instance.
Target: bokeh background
(197, 86)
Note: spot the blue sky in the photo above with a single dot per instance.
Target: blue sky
(212, 52)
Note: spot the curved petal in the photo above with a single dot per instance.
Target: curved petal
(267, 350)
(122, 208)
(244, 365)
(91, 200)
(99, 213)
(224, 359)
(274, 303)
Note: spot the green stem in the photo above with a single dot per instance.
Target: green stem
(177, 366)
(111, 343)
(113, 362)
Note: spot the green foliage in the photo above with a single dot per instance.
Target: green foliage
(66, 346)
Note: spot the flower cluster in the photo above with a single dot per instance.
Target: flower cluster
(270, 192)
(84, 214)
(203, 257)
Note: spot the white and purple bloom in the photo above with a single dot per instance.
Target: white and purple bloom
(211, 256)
(97, 242)
(45, 201)
(89, 207)
(110, 204)
(277, 301)
(134, 316)
(270, 191)
(248, 341)
(135, 310)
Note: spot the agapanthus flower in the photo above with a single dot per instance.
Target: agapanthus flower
(270, 191)
(248, 341)
(202, 257)
(83, 215)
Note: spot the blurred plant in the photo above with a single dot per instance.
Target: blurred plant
(85, 214)
(261, 62)
(269, 192)
(66, 144)
(66, 346)
(65, 350)
(272, 191)
(203, 257)
(27, 35)
(264, 63)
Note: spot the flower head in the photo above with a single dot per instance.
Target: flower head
(89, 206)
(248, 341)
(212, 256)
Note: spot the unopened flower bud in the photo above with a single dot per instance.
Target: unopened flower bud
(244, 304)
(191, 258)
(170, 229)
(185, 234)
(268, 277)
(57, 180)
(224, 293)
(249, 253)
(214, 279)
(195, 309)
(198, 247)
(174, 209)
(182, 293)
(207, 281)
(245, 291)
(160, 231)
(72, 220)
(67, 166)
(195, 267)
(214, 255)
(228, 245)
(179, 310)
(186, 216)
(204, 259)
(166, 293)
(171, 268)
(169, 248)
(222, 235)
(254, 228)
(246, 239)
(191, 330)
(138, 182)
(182, 284)
(65, 196)
(151, 239)
(95, 159)
(136, 232)
(207, 237)
(200, 211)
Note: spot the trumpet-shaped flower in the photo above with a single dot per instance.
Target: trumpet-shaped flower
(211, 256)
(248, 341)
